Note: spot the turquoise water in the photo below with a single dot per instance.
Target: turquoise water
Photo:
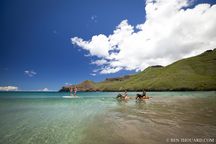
(97, 117)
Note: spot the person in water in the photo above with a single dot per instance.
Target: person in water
(75, 90)
(125, 95)
(71, 91)
(142, 96)
(144, 93)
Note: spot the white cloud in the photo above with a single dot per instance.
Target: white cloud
(30, 73)
(172, 31)
(99, 62)
(66, 83)
(95, 45)
(93, 74)
(108, 70)
(8, 88)
(45, 89)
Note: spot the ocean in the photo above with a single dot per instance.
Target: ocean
(98, 118)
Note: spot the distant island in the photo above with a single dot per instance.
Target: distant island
(196, 73)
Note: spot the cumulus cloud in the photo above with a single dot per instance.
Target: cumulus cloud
(30, 73)
(8, 88)
(108, 70)
(172, 31)
(97, 46)
(99, 62)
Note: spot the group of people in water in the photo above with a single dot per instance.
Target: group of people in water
(125, 96)
(73, 91)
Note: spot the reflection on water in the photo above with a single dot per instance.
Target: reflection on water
(155, 121)
(103, 119)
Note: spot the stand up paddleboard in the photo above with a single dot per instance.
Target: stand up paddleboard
(70, 96)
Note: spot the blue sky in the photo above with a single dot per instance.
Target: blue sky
(36, 51)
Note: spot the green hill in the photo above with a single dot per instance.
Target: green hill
(84, 86)
(195, 73)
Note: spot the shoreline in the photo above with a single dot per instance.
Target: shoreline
(114, 91)
(208, 90)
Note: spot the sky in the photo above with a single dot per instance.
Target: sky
(45, 45)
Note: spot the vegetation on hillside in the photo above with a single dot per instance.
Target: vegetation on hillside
(195, 73)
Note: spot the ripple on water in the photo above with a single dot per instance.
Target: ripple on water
(105, 120)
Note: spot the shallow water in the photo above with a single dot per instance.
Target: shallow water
(97, 117)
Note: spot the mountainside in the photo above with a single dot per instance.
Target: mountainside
(195, 73)
(84, 86)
